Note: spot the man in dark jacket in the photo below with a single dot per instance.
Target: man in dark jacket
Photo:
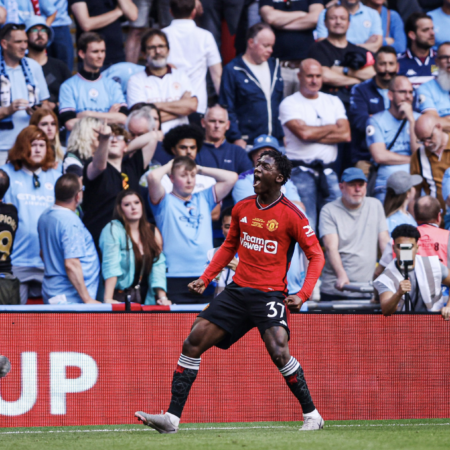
(252, 89)
(369, 98)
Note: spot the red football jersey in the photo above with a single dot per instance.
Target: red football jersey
(264, 238)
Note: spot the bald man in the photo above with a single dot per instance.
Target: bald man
(390, 135)
(314, 123)
(433, 156)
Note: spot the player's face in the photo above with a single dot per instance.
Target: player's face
(183, 181)
(132, 208)
(186, 147)
(424, 35)
(216, 124)
(337, 21)
(261, 47)
(48, 126)
(94, 56)
(226, 223)
(354, 191)
(267, 177)
(38, 151)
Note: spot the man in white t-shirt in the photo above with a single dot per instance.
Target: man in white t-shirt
(169, 89)
(193, 50)
(314, 123)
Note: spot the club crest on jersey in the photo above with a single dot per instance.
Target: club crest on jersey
(93, 93)
(259, 244)
(272, 225)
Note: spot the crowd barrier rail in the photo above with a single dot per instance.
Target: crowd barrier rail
(96, 368)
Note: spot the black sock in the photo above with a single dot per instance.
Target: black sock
(183, 379)
(295, 379)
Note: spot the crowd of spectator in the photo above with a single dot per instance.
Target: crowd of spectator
(120, 167)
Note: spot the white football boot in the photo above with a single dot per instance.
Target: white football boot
(159, 422)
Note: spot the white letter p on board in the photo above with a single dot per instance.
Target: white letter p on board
(60, 385)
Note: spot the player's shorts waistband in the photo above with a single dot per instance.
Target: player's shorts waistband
(234, 288)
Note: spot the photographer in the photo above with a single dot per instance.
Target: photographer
(422, 283)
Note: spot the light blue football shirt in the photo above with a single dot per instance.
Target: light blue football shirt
(399, 218)
(186, 229)
(363, 24)
(430, 95)
(78, 94)
(441, 22)
(382, 128)
(30, 202)
(25, 9)
(21, 119)
(244, 188)
(62, 18)
(121, 73)
(62, 236)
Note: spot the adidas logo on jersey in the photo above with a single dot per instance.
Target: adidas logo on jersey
(244, 219)
(258, 244)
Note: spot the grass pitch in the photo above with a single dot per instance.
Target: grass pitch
(430, 434)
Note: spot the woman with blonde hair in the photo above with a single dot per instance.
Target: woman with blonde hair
(32, 191)
(46, 120)
(82, 143)
(133, 264)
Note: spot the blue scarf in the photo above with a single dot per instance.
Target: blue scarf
(6, 92)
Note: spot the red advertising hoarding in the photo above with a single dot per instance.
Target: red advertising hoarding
(94, 369)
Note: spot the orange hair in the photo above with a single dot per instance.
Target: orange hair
(21, 151)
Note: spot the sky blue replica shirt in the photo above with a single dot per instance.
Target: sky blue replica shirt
(431, 96)
(121, 73)
(382, 127)
(21, 119)
(62, 236)
(62, 18)
(399, 218)
(396, 29)
(30, 202)
(363, 24)
(186, 229)
(244, 188)
(78, 94)
(25, 10)
(441, 22)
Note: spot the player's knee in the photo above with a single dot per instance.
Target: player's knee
(280, 356)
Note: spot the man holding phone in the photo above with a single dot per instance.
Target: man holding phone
(22, 85)
(425, 276)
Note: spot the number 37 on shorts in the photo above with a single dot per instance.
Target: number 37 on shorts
(275, 309)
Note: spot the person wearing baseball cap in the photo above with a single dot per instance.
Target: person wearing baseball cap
(399, 192)
(352, 229)
(40, 36)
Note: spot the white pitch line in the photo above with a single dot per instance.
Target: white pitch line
(124, 430)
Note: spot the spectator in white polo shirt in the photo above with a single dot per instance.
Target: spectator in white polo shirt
(169, 89)
(314, 123)
(194, 51)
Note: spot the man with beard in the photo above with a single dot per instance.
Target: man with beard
(418, 62)
(88, 94)
(369, 98)
(352, 228)
(433, 156)
(40, 36)
(169, 89)
(390, 134)
(434, 96)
